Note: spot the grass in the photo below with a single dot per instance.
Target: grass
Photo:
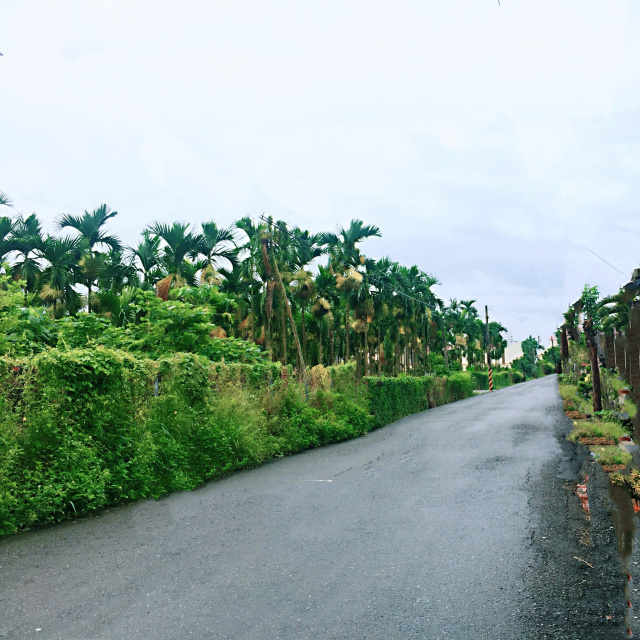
(630, 408)
(568, 392)
(610, 456)
(596, 429)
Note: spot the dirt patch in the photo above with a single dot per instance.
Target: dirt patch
(575, 567)
(597, 440)
(576, 415)
(610, 468)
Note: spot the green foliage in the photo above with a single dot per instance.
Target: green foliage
(501, 379)
(631, 483)
(596, 429)
(458, 386)
(393, 398)
(611, 456)
(82, 428)
(139, 323)
(590, 296)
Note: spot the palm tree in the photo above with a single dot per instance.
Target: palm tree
(5, 200)
(304, 249)
(303, 290)
(27, 237)
(497, 343)
(613, 312)
(7, 243)
(118, 272)
(6, 227)
(179, 243)
(282, 245)
(147, 252)
(378, 276)
(218, 248)
(325, 285)
(346, 258)
(250, 252)
(89, 226)
(62, 271)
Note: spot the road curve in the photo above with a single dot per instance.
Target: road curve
(433, 527)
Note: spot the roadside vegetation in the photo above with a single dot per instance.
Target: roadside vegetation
(129, 372)
(597, 399)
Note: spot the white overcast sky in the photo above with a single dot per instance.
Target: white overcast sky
(495, 146)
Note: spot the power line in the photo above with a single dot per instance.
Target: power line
(379, 284)
(603, 260)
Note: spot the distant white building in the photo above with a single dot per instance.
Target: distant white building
(511, 353)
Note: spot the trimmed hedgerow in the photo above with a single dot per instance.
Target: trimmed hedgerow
(390, 399)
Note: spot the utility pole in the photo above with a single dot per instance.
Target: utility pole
(556, 361)
(486, 315)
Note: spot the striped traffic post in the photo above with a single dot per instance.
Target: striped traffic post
(488, 345)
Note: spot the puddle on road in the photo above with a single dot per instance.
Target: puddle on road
(624, 523)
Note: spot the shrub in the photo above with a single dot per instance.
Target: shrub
(611, 456)
(458, 387)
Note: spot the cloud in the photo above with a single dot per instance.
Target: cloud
(493, 145)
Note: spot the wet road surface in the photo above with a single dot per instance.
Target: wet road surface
(433, 527)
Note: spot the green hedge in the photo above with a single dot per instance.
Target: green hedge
(393, 398)
(501, 379)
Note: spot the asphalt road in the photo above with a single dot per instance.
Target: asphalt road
(453, 523)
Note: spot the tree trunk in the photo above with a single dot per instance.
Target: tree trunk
(284, 338)
(293, 326)
(346, 332)
(270, 288)
(253, 315)
(333, 345)
(304, 333)
(320, 341)
(564, 347)
(379, 352)
(590, 337)
(365, 349)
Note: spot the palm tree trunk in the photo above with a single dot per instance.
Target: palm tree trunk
(564, 349)
(590, 336)
(253, 315)
(304, 333)
(379, 352)
(293, 326)
(320, 341)
(365, 349)
(89, 298)
(284, 338)
(346, 331)
(333, 345)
